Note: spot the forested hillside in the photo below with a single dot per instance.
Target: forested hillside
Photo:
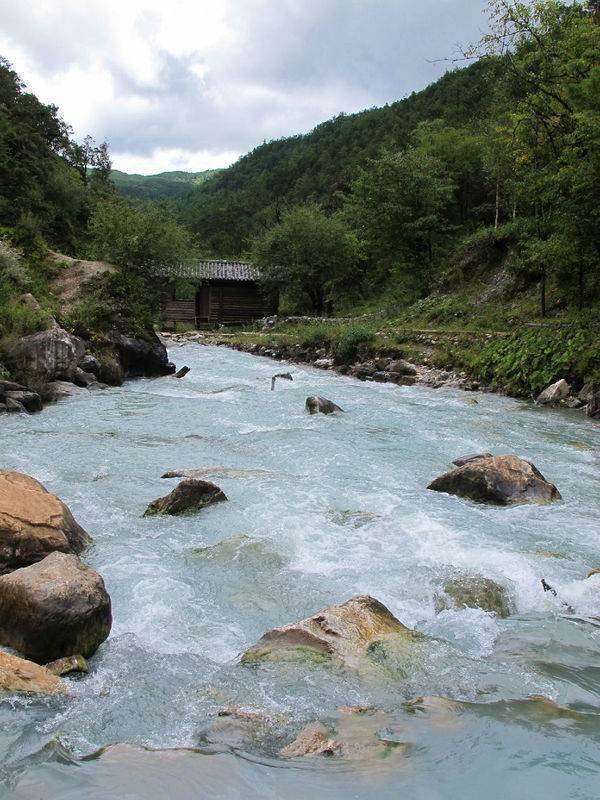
(321, 165)
(160, 186)
(493, 170)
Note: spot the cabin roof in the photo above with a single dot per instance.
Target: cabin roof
(215, 270)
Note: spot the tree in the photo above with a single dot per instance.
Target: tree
(397, 207)
(307, 257)
(550, 53)
(136, 235)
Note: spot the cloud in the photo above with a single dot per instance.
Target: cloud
(198, 83)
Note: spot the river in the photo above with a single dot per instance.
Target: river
(320, 509)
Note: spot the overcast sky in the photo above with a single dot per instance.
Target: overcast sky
(193, 84)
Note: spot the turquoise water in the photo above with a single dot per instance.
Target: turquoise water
(189, 595)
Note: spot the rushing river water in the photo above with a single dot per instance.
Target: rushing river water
(320, 509)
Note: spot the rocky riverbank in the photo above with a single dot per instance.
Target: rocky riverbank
(388, 366)
(54, 364)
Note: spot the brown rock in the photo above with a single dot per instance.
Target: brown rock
(189, 496)
(67, 665)
(503, 480)
(55, 608)
(33, 523)
(343, 632)
(19, 675)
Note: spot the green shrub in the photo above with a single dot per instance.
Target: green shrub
(527, 362)
(350, 341)
(17, 319)
(13, 272)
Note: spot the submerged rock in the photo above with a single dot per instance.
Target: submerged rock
(553, 394)
(189, 496)
(475, 591)
(34, 523)
(221, 472)
(503, 480)
(312, 740)
(68, 665)
(358, 736)
(343, 632)
(353, 519)
(55, 608)
(592, 572)
(20, 675)
(320, 405)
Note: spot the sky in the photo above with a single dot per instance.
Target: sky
(194, 84)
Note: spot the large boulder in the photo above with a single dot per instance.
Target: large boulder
(475, 591)
(19, 675)
(139, 357)
(55, 608)
(34, 523)
(46, 356)
(187, 497)
(503, 480)
(554, 394)
(320, 405)
(343, 632)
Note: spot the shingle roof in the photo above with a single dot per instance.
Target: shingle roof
(210, 270)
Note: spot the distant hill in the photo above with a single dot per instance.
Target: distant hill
(320, 166)
(162, 185)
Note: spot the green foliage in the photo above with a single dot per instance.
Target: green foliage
(234, 206)
(352, 341)
(527, 362)
(136, 235)
(18, 319)
(13, 273)
(397, 206)
(307, 258)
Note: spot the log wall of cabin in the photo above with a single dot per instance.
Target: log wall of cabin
(217, 302)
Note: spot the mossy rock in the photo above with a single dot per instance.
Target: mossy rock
(475, 591)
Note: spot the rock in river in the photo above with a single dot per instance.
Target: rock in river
(19, 675)
(503, 480)
(344, 632)
(475, 591)
(34, 523)
(189, 496)
(553, 394)
(320, 405)
(55, 608)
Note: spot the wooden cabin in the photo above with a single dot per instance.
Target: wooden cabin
(226, 293)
